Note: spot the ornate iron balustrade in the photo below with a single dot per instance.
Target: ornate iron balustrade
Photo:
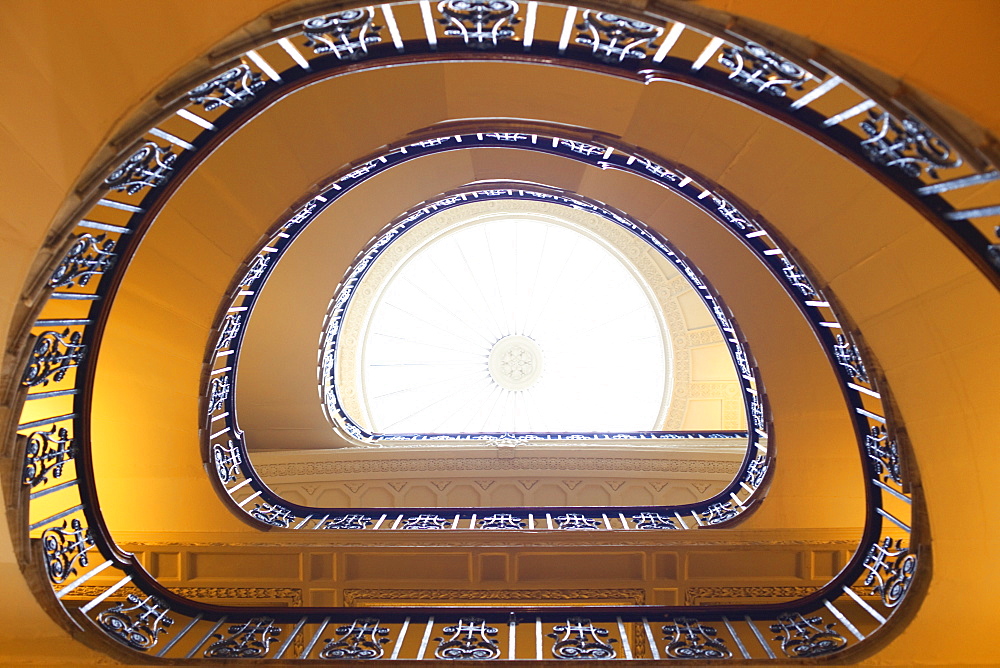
(226, 444)
(891, 141)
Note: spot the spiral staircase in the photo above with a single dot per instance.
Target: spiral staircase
(819, 171)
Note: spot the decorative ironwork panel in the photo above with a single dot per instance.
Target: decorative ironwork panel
(46, 453)
(136, 622)
(273, 515)
(849, 357)
(236, 87)
(906, 144)
(345, 34)
(756, 470)
(348, 522)
(614, 38)
(249, 640)
(884, 453)
(362, 639)
(256, 270)
(743, 363)
(690, 639)
(797, 279)
(54, 354)
(720, 512)
(732, 215)
(148, 167)
(426, 521)
(578, 638)
(470, 639)
(501, 521)
(803, 636)
(218, 392)
(480, 23)
(506, 136)
(65, 548)
(227, 461)
(891, 566)
(653, 521)
(576, 521)
(758, 70)
(583, 148)
(230, 328)
(89, 256)
(757, 412)
(657, 170)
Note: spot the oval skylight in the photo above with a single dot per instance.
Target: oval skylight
(513, 324)
(501, 317)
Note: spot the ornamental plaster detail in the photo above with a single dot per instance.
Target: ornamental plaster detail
(355, 597)
(273, 471)
(705, 595)
(292, 595)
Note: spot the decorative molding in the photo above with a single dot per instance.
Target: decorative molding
(707, 595)
(697, 595)
(359, 597)
(273, 471)
(290, 594)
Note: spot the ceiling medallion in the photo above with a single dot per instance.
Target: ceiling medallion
(515, 363)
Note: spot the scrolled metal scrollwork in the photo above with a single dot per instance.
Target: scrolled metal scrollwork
(849, 357)
(227, 462)
(481, 24)
(578, 638)
(732, 215)
(884, 454)
(52, 356)
(583, 148)
(506, 136)
(148, 167)
(345, 34)
(272, 514)
(757, 412)
(45, 454)
(501, 521)
(797, 279)
(256, 270)
(689, 639)
(426, 521)
(648, 520)
(65, 548)
(470, 639)
(89, 256)
(576, 522)
(250, 640)
(890, 567)
(720, 512)
(756, 69)
(756, 470)
(656, 169)
(228, 331)
(218, 392)
(361, 639)
(136, 622)
(614, 38)
(235, 88)
(804, 636)
(906, 144)
(355, 521)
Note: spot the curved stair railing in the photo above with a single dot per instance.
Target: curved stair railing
(58, 530)
(225, 446)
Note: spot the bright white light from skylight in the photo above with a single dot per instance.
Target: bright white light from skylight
(514, 325)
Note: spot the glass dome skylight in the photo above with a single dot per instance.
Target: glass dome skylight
(500, 317)
(513, 324)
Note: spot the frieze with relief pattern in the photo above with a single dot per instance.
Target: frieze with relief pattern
(488, 464)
